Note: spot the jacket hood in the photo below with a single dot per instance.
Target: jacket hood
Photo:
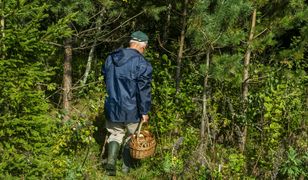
(122, 55)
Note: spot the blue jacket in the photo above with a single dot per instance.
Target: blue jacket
(128, 79)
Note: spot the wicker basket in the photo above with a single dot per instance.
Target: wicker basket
(142, 144)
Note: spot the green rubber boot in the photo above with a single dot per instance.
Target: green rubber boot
(113, 151)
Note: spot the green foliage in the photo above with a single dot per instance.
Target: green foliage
(227, 68)
(293, 167)
(35, 144)
(283, 103)
(280, 112)
(24, 122)
(81, 9)
(168, 114)
(218, 18)
(236, 164)
(26, 128)
(172, 165)
(154, 11)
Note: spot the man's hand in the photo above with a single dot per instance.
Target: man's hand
(145, 118)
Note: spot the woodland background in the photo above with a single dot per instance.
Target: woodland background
(230, 87)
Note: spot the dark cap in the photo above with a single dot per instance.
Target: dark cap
(139, 36)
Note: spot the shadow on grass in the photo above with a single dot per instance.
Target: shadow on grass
(100, 134)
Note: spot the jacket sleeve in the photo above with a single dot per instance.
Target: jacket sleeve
(144, 88)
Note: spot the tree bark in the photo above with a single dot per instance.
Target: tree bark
(246, 79)
(67, 78)
(204, 121)
(181, 47)
(88, 66)
(204, 127)
(91, 54)
(2, 23)
(167, 24)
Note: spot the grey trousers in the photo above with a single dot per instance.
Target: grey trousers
(119, 130)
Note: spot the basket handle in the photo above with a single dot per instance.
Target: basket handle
(139, 128)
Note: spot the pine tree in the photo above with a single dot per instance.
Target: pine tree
(217, 25)
(25, 126)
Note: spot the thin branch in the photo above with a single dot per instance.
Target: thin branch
(162, 46)
(107, 34)
(186, 50)
(97, 14)
(85, 31)
(88, 45)
(218, 37)
(197, 71)
(72, 24)
(106, 24)
(57, 91)
(122, 24)
(260, 33)
(204, 33)
(55, 44)
(195, 55)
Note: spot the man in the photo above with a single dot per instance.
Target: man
(128, 81)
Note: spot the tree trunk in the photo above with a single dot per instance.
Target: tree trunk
(88, 66)
(204, 121)
(2, 23)
(167, 24)
(181, 47)
(67, 78)
(91, 54)
(246, 79)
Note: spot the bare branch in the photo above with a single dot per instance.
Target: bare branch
(260, 33)
(122, 24)
(55, 44)
(162, 46)
(95, 28)
(99, 39)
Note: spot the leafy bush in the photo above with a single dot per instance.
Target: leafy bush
(295, 164)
